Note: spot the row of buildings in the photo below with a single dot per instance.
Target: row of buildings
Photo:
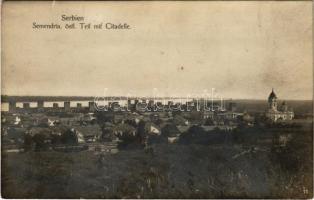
(209, 109)
(137, 105)
(55, 107)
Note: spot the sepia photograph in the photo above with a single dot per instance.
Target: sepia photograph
(157, 100)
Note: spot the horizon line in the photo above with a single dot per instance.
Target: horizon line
(120, 96)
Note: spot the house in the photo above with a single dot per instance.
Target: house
(79, 136)
(90, 138)
(152, 129)
(121, 130)
(89, 132)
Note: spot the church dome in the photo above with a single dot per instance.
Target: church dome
(272, 95)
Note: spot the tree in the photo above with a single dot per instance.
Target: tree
(40, 142)
(169, 130)
(28, 142)
(191, 135)
(69, 137)
(107, 134)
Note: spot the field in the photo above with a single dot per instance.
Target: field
(163, 171)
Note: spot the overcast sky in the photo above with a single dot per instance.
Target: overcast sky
(242, 49)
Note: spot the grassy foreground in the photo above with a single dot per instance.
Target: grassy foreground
(165, 171)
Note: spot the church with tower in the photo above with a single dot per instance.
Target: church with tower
(275, 113)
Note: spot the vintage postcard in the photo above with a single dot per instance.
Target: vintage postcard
(156, 99)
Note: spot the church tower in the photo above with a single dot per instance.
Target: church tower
(272, 101)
